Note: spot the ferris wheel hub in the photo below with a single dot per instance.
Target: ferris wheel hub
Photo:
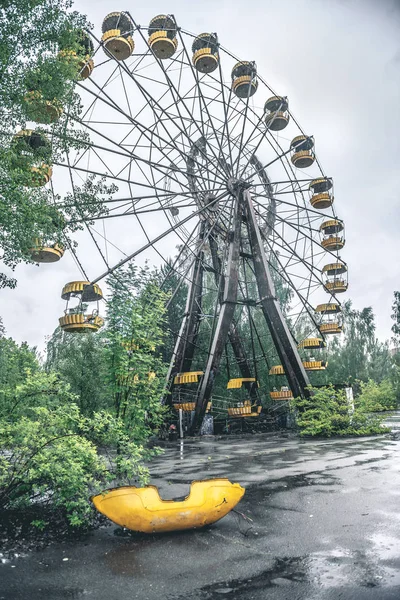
(235, 186)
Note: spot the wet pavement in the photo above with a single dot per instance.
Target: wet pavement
(325, 524)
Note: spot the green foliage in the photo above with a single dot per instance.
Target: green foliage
(49, 451)
(15, 362)
(396, 318)
(80, 361)
(32, 33)
(53, 451)
(328, 413)
(50, 454)
(375, 397)
(133, 341)
(357, 354)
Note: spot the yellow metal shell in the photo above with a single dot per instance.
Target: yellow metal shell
(142, 509)
(320, 185)
(330, 308)
(276, 121)
(118, 46)
(302, 142)
(315, 365)
(336, 287)
(333, 242)
(323, 200)
(80, 323)
(161, 45)
(189, 406)
(331, 226)
(77, 287)
(205, 61)
(244, 411)
(312, 343)
(330, 328)
(334, 268)
(86, 67)
(40, 175)
(276, 370)
(286, 395)
(303, 159)
(188, 377)
(84, 64)
(276, 103)
(46, 254)
(245, 86)
(235, 384)
(40, 110)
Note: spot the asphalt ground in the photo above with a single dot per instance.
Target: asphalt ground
(325, 525)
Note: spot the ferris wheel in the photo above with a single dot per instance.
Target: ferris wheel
(203, 154)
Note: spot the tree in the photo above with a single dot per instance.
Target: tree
(359, 355)
(375, 397)
(396, 318)
(32, 32)
(80, 361)
(16, 361)
(133, 343)
(170, 280)
(49, 451)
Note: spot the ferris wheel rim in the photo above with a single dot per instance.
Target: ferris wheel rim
(294, 180)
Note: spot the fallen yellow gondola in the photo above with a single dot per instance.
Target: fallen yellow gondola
(142, 509)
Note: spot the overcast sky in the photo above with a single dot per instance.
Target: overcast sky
(339, 64)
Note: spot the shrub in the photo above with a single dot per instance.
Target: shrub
(375, 397)
(327, 412)
(50, 453)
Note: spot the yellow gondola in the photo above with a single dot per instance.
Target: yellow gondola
(117, 40)
(330, 328)
(245, 411)
(329, 314)
(235, 384)
(76, 320)
(205, 53)
(281, 395)
(277, 116)
(276, 370)
(142, 509)
(244, 79)
(315, 365)
(309, 365)
(188, 377)
(302, 151)
(82, 58)
(335, 284)
(312, 344)
(189, 406)
(46, 254)
(162, 36)
(329, 308)
(40, 110)
(31, 149)
(80, 322)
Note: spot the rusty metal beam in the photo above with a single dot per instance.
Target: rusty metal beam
(224, 318)
(281, 336)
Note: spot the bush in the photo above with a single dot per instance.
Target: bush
(328, 412)
(50, 453)
(375, 397)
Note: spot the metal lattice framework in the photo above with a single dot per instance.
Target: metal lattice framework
(197, 162)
